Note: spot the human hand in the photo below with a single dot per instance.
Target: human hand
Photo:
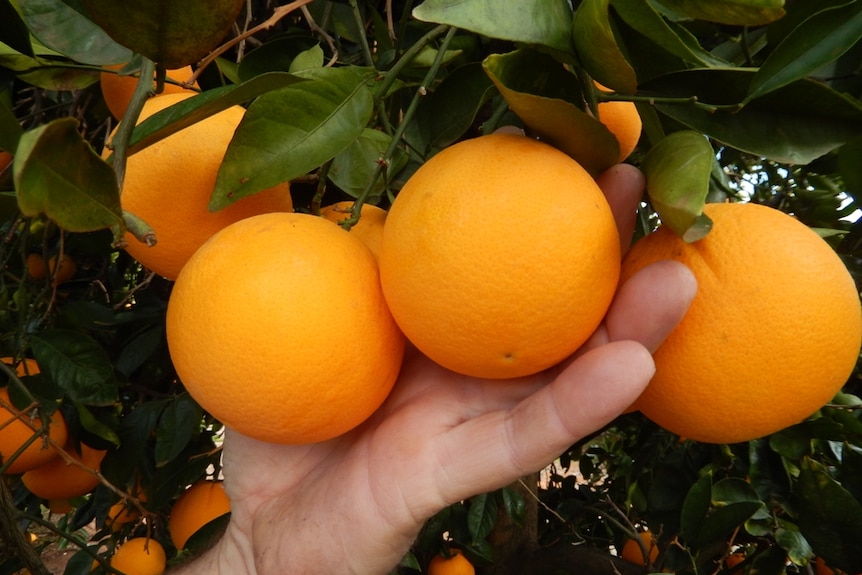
(354, 504)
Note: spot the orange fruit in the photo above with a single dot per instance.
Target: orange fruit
(5, 160)
(303, 298)
(37, 269)
(633, 553)
(201, 503)
(120, 514)
(140, 556)
(369, 228)
(169, 184)
(772, 335)
(623, 121)
(14, 432)
(117, 89)
(734, 559)
(500, 256)
(61, 269)
(456, 564)
(58, 479)
(60, 506)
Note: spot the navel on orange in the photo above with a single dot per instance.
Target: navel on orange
(500, 257)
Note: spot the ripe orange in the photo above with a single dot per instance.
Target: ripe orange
(117, 89)
(623, 121)
(773, 333)
(60, 480)
(632, 550)
(457, 564)
(169, 184)
(37, 269)
(303, 298)
(5, 160)
(201, 503)
(61, 269)
(14, 432)
(140, 556)
(500, 256)
(734, 559)
(369, 228)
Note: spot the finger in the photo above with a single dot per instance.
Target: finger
(623, 186)
(506, 445)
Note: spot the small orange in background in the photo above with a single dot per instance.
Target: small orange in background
(369, 228)
(5, 160)
(36, 267)
(15, 433)
(633, 553)
(455, 564)
(117, 89)
(773, 333)
(59, 479)
(201, 503)
(500, 256)
(140, 556)
(623, 121)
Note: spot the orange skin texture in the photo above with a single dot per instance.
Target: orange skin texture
(623, 121)
(58, 479)
(457, 564)
(632, 550)
(301, 296)
(500, 257)
(369, 228)
(117, 90)
(201, 503)
(168, 185)
(140, 556)
(772, 335)
(16, 433)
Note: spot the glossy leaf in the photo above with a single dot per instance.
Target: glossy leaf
(33, 71)
(311, 58)
(172, 34)
(94, 426)
(830, 518)
(352, 169)
(817, 41)
(481, 516)
(733, 490)
(541, 92)
(811, 118)
(598, 50)
(695, 507)
(178, 423)
(78, 364)
(289, 132)
(536, 22)
(14, 32)
(58, 174)
(788, 537)
(64, 29)
(734, 12)
(678, 171)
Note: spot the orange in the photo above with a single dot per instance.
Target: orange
(623, 121)
(14, 432)
(169, 184)
(61, 268)
(37, 269)
(58, 479)
(140, 556)
(500, 256)
(772, 334)
(117, 89)
(734, 559)
(201, 503)
(60, 506)
(5, 160)
(369, 228)
(303, 298)
(633, 553)
(457, 564)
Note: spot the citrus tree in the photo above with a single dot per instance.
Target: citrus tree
(297, 107)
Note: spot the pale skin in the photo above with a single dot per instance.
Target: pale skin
(355, 504)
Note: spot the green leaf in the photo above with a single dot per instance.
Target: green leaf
(58, 174)
(788, 536)
(817, 41)
(172, 34)
(850, 471)
(178, 424)
(677, 40)
(534, 22)
(695, 507)
(352, 169)
(10, 129)
(289, 132)
(811, 118)
(541, 92)
(62, 28)
(678, 170)
(192, 110)
(14, 31)
(598, 50)
(78, 364)
(829, 517)
(721, 522)
(94, 426)
(513, 504)
(733, 490)
(482, 516)
(311, 58)
(734, 12)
